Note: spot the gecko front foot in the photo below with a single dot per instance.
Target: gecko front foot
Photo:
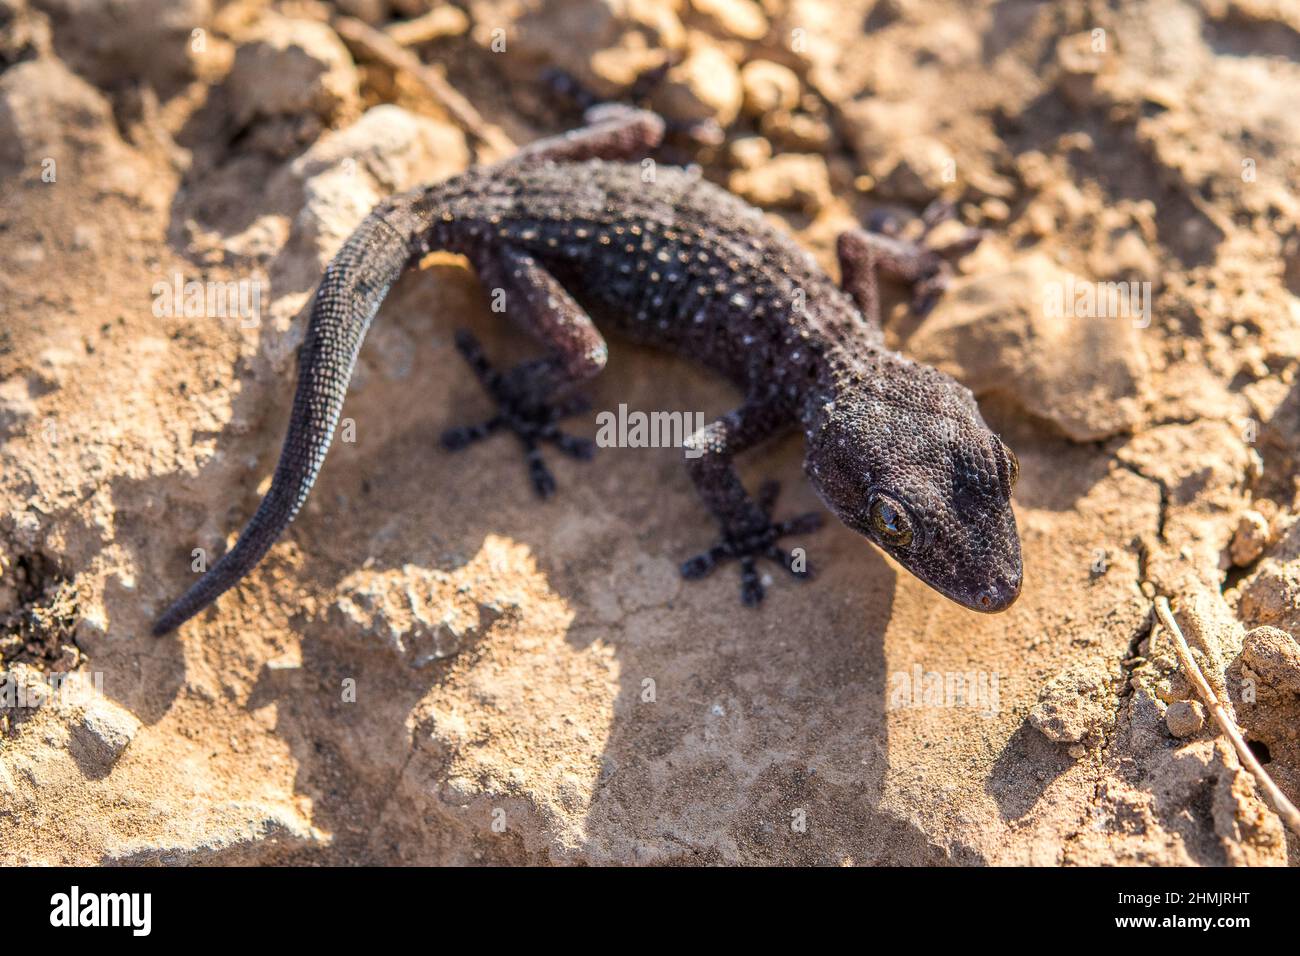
(757, 540)
(519, 409)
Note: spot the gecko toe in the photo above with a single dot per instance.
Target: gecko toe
(757, 540)
(767, 495)
(797, 565)
(454, 439)
(541, 477)
(751, 585)
(530, 416)
(806, 523)
(568, 407)
(703, 564)
(583, 449)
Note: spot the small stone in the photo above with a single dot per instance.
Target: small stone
(924, 168)
(1185, 718)
(1080, 62)
(1250, 539)
(1274, 655)
(769, 87)
(995, 210)
(437, 23)
(798, 131)
(290, 68)
(750, 152)
(743, 19)
(791, 180)
(705, 85)
(100, 734)
(1073, 707)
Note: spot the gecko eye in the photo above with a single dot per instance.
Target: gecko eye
(891, 522)
(1013, 463)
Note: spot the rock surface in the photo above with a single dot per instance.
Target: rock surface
(1018, 332)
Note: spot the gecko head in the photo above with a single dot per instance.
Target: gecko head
(902, 456)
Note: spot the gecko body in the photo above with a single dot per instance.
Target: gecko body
(578, 236)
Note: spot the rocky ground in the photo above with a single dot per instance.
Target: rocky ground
(434, 668)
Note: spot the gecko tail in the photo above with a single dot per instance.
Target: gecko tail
(349, 295)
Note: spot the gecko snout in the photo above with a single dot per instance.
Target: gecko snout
(998, 597)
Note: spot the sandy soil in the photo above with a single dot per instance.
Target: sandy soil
(434, 668)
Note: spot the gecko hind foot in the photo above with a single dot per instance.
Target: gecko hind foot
(758, 541)
(928, 268)
(533, 421)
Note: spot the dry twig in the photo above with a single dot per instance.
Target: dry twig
(1284, 807)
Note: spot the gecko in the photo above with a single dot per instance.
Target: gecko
(582, 231)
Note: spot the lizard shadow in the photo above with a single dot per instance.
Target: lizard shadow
(1024, 770)
(773, 716)
(143, 673)
(169, 530)
(779, 712)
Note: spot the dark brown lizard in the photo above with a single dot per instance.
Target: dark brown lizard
(570, 228)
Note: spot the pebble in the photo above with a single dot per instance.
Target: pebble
(769, 87)
(705, 85)
(1185, 717)
(101, 734)
(791, 180)
(742, 19)
(1250, 538)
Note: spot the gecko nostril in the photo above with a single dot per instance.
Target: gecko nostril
(985, 599)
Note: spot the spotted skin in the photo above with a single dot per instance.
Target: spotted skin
(579, 238)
